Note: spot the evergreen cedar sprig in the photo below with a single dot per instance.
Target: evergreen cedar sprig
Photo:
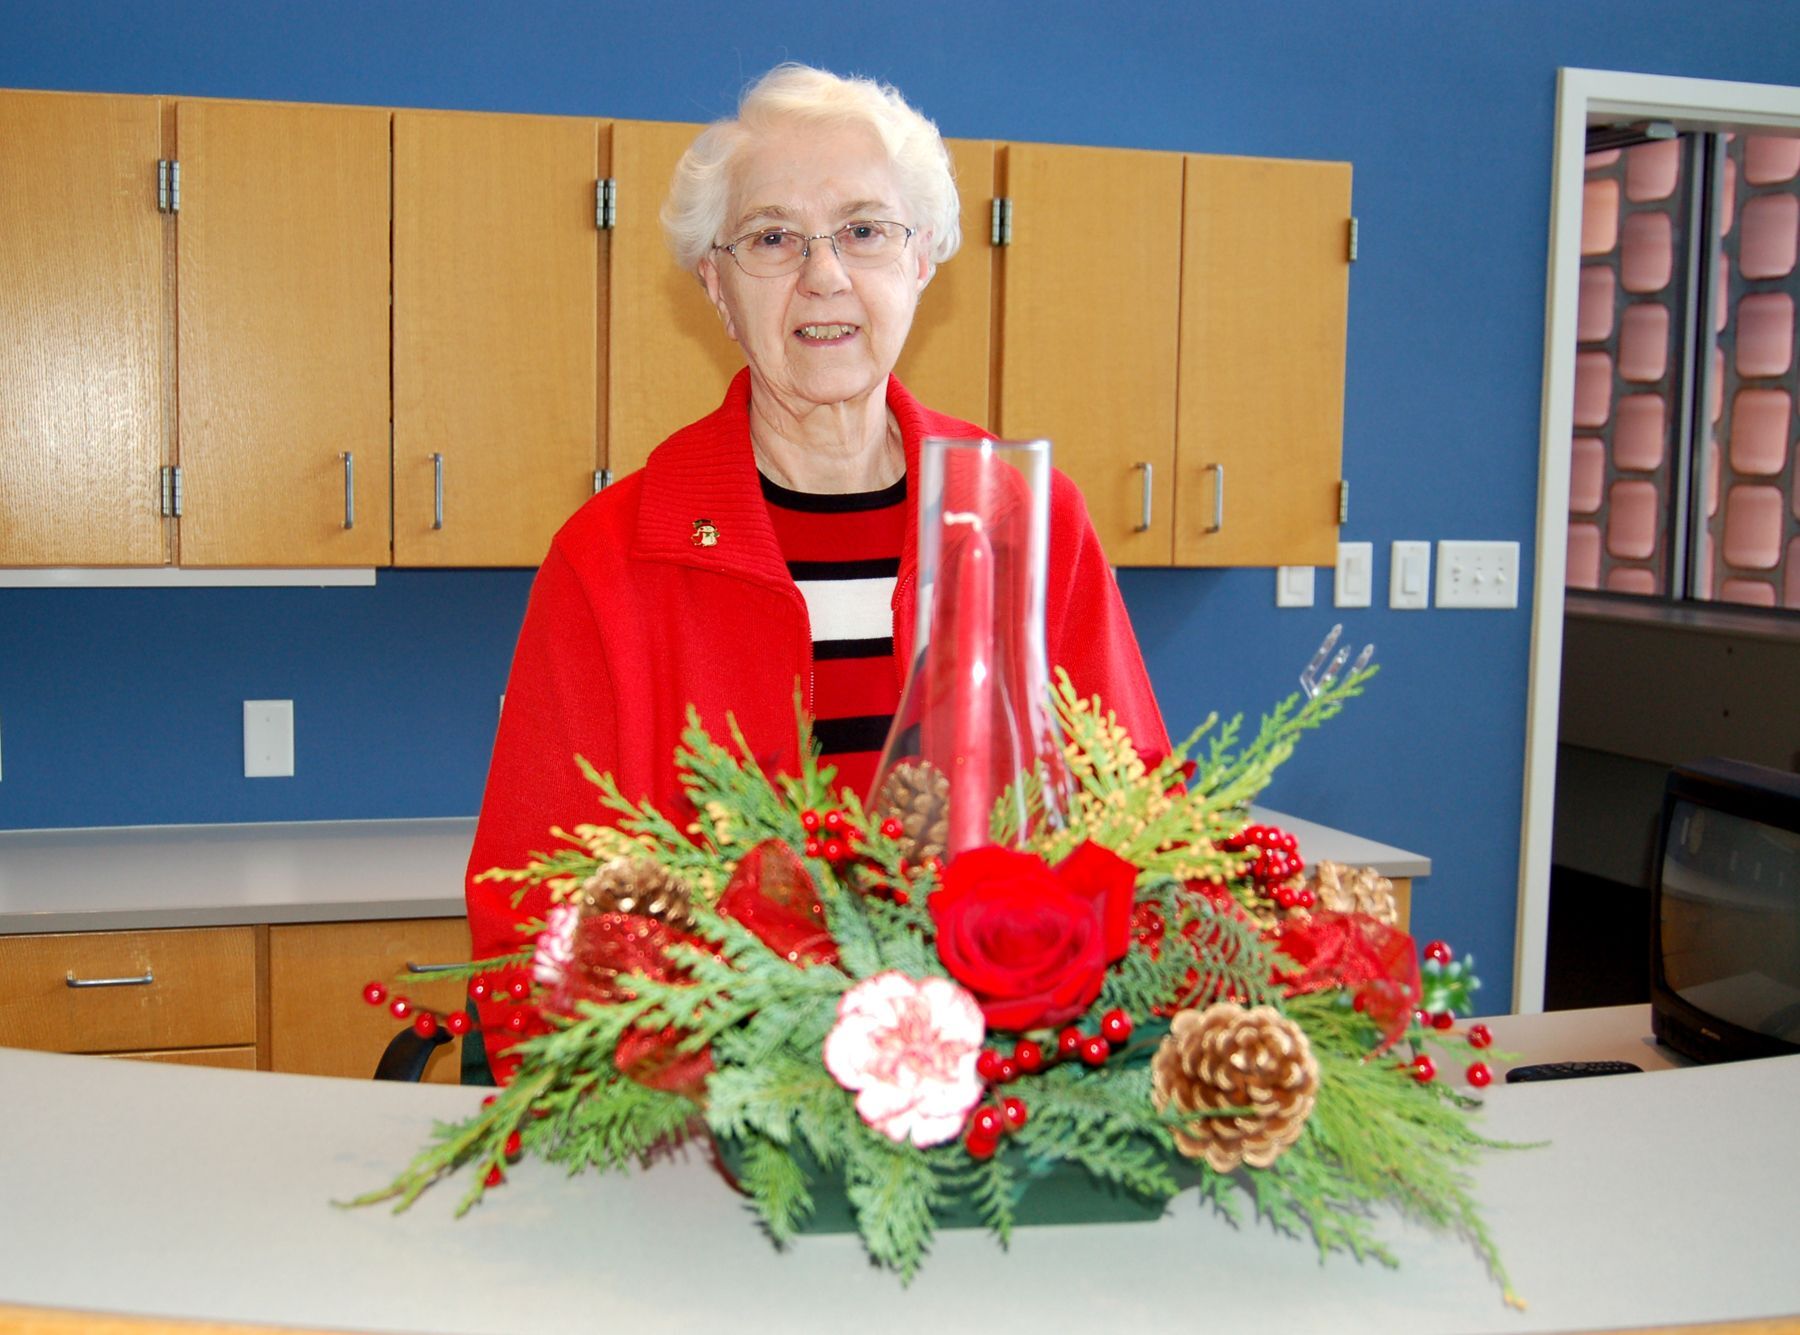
(1158, 818)
(1376, 1135)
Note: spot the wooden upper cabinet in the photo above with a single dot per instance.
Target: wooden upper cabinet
(1265, 295)
(1175, 325)
(948, 356)
(668, 359)
(1089, 318)
(496, 253)
(282, 271)
(82, 361)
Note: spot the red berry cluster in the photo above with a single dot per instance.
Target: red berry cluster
(425, 1023)
(1277, 865)
(1290, 896)
(1277, 853)
(830, 835)
(987, 1123)
(1424, 1069)
(512, 986)
(482, 987)
(833, 836)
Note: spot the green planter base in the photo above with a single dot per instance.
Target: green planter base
(1053, 1193)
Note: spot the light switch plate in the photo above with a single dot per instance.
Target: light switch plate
(1478, 574)
(1294, 586)
(268, 739)
(1355, 575)
(1409, 575)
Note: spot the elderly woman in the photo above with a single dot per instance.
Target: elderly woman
(765, 544)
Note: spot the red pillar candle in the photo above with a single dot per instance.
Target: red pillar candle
(972, 664)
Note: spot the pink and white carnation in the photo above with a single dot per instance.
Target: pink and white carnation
(555, 950)
(908, 1049)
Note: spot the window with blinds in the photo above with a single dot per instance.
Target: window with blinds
(1683, 479)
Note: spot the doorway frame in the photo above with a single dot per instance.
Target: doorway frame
(1582, 95)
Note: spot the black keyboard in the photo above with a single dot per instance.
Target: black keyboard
(1568, 1070)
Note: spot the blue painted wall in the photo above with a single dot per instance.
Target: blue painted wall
(123, 706)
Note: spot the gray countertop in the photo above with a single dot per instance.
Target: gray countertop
(328, 871)
(227, 875)
(177, 1191)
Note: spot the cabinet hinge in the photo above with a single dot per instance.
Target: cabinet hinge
(168, 185)
(1352, 246)
(1000, 223)
(602, 480)
(606, 203)
(169, 486)
(1343, 501)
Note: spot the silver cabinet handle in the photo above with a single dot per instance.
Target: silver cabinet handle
(1145, 503)
(1218, 471)
(432, 968)
(71, 980)
(349, 489)
(437, 491)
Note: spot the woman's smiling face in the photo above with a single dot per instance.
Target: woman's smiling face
(824, 334)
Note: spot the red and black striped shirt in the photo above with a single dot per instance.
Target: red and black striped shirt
(843, 550)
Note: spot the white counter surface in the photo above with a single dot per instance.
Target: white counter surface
(329, 871)
(131, 1187)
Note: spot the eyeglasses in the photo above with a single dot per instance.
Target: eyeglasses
(867, 243)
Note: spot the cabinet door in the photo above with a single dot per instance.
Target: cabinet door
(1089, 308)
(947, 361)
(282, 245)
(495, 324)
(1264, 299)
(668, 360)
(82, 356)
(318, 1022)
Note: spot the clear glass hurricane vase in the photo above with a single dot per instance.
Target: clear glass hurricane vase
(974, 756)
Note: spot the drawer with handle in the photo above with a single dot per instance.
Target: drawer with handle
(120, 991)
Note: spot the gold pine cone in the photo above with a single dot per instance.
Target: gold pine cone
(1344, 889)
(627, 884)
(917, 794)
(1228, 1057)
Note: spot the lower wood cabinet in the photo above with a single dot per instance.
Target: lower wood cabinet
(184, 995)
(273, 998)
(318, 1022)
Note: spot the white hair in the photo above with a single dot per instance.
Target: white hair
(700, 193)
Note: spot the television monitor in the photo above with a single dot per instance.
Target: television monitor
(1725, 912)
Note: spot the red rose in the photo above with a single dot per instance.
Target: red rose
(1033, 944)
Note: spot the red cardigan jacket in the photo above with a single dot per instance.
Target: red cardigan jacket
(629, 622)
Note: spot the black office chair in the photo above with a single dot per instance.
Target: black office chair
(407, 1053)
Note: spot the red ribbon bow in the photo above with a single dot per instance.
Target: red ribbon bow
(1379, 963)
(770, 893)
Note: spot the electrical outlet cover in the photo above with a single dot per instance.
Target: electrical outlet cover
(268, 739)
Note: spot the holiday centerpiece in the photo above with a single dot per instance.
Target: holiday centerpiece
(1036, 975)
